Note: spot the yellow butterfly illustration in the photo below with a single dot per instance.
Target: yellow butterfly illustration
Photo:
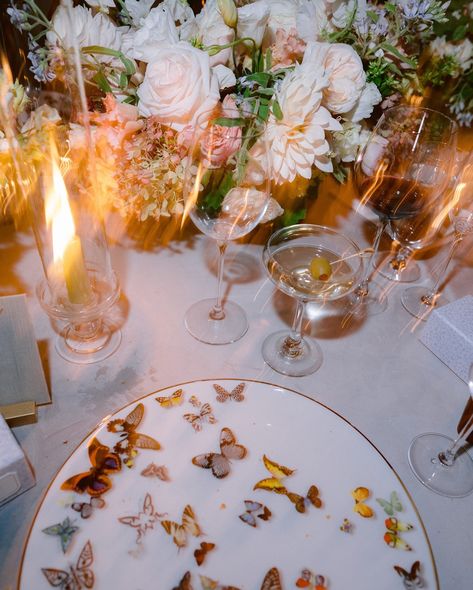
(179, 532)
(361, 494)
(274, 483)
(209, 584)
(391, 536)
(171, 401)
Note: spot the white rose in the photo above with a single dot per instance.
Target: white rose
(156, 29)
(370, 97)
(345, 73)
(282, 15)
(178, 86)
(102, 5)
(226, 78)
(311, 20)
(252, 20)
(179, 9)
(138, 9)
(84, 29)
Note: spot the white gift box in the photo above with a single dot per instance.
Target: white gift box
(449, 335)
(16, 475)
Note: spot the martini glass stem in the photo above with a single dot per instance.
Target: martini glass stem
(431, 296)
(363, 288)
(292, 346)
(217, 312)
(447, 457)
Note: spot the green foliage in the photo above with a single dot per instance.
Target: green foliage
(439, 70)
(380, 72)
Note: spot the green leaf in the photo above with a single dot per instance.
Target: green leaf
(460, 33)
(229, 122)
(102, 82)
(123, 82)
(391, 49)
(263, 112)
(266, 91)
(340, 173)
(277, 110)
(269, 59)
(98, 50)
(293, 217)
(261, 78)
(390, 7)
(373, 16)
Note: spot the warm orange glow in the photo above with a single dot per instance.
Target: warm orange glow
(416, 100)
(193, 194)
(451, 204)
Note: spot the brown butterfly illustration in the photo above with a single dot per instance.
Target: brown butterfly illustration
(78, 577)
(185, 583)
(236, 394)
(254, 510)
(209, 584)
(179, 532)
(412, 578)
(153, 470)
(204, 415)
(272, 580)
(95, 481)
(219, 463)
(171, 401)
(144, 520)
(301, 502)
(86, 509)
(131, 440)
(201, 553)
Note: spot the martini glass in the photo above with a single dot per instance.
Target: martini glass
(310, 263)
(443, 464)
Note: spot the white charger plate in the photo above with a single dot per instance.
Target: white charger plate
(136, 553)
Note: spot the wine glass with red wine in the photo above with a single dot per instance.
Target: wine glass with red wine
(401, 174)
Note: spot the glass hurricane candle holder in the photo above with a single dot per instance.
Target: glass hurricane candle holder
(80, 285)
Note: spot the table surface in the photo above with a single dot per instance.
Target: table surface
(376, 373)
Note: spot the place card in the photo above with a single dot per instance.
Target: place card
(23, 384)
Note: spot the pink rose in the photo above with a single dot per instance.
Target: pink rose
(219, 142)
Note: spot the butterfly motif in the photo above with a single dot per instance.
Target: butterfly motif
(219, 463)
(86, 508)
(64, 530)
(201, 553)
(185, 583)
(273, 483)
(391, 537)
(346, 526)
(171, 401)
(129, 439)
(209, 584)
(361, 494)
(272, 580)
(236, 394)
(144, 520)
(311, 581)
(302, 503)
(95, 481)
(254, 510)
(159, 471)
(412, 578)
(78, 577)
(179, 532)
(393, 524)
(391, 506)
(204, 415)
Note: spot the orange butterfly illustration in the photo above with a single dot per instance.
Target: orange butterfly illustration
(273, 483)
(130, 440)
(179, 532)
(153, 470)
(171, 401)
(95, 481)
(412, 578)
(204, 415)
(201, 553)
(272, 580)
(219, 463)
(209, 584)
(78, 577)
(311, 581)
(301, 502)
(144, 520)
(391, 536)
(236, 394)
(360, 495)
(185, 583)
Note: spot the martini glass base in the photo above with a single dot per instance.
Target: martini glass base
(306, 362)
(229, 329)
(453, 481)
(88, 351)
(411, 300)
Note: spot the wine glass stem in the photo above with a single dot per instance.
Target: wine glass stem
(398, 262)
(292, 344)
(447, 457)
(429, 299)
(363, 289)
(85, 330)
(217, 312)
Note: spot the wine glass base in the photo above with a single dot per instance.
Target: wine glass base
(201, 326)
(88, 351)
(307, 362)
(454, 481)
(408, 274)
(411, 299)
(367, 305)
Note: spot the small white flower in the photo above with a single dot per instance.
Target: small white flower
(363, 109)
(311, 20)
(252, 21)
(226, 78)
(102, 5)
(138, 10)
(462, 51)
(347, 142)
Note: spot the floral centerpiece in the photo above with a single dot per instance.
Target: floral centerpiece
(312, 70)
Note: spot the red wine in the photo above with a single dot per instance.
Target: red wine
(394, 198)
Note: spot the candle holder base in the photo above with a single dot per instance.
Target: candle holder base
(88, 351)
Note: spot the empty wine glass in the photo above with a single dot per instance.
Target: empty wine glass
(400, 268)
(399, 174)
(420, 301)
(309, 263)
(442, 464)
(226, 192)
